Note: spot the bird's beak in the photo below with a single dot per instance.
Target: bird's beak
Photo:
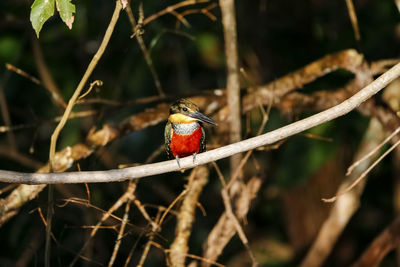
(201, 117)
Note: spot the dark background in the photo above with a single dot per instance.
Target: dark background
(275, 38)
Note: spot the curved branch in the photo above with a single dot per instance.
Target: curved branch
(213, 155)
(78, 90)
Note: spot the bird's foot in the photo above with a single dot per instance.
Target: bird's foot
(177, 160)
(194, 158)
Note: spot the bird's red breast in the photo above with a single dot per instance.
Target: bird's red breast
(183, 145)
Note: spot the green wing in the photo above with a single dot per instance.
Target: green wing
(202, 140)
(167, 139)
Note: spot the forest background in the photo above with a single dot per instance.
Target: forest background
(253, 69)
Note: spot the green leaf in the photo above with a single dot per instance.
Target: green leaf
(41, 11)
(66, 10)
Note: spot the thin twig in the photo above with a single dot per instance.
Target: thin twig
(78, 90)
(373, 151)
(242, 192)
(129, 257)
(5, 114)
(171, 8)
(95, 83)
(23, 73)
(232, 217)
(124, 198)
(168, 210)
(68, 110)
(150, 240)
(364, 174)
(344, 208)
(55, 240)
(86, 203)
(45, 75)
(49, 219)
(137, 32)
(205, 11)
(143, 211)
(180, 18)
(79, 114)
(7, 188)
(120, 234)
(353, 19)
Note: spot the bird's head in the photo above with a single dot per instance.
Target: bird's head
(184, 111)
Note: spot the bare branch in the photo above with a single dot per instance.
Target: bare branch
(78, 90)
(213, 155)
(120, 234)
(232, 78)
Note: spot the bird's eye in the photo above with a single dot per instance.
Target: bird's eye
(185, 109)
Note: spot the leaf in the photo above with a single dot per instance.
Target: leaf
(41, 11)
(66, 10)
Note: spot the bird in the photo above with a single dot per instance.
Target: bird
(184, 133)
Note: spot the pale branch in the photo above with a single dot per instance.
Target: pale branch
(213, 155)
(78, 90)
(232, 77)
(120, 234)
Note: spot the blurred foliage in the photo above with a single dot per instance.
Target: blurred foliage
(275, 38)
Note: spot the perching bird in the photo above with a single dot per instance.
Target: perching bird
(184, 134)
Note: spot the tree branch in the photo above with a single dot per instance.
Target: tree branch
(213, 155)
(232, 78)
(78, 90)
